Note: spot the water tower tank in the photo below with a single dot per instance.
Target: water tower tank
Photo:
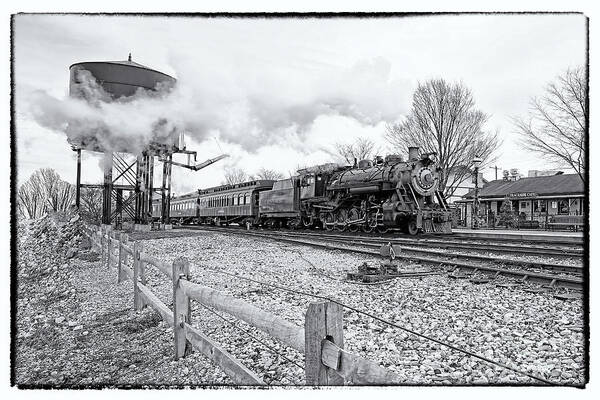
(119, 78)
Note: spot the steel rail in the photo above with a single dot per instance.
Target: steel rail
(542, 278)
(571, 249)
(495, 247)
(535, 264)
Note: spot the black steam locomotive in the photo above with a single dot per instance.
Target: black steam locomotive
(381, 194)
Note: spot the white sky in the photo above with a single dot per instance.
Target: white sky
(371, 64)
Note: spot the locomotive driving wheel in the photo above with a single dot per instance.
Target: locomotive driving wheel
(371, 223)
(329, 222)
(341, 217)
(354, 215)
(383, 229)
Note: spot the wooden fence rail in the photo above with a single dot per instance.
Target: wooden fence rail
(321, 339)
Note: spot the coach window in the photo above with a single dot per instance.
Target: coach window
(246, 198)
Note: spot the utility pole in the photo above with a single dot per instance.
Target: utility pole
(475, 211)
(495, 167)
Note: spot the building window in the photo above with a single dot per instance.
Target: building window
(563, 207)
(523, 205)
(541, 206)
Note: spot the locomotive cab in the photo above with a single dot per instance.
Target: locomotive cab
(312, 185)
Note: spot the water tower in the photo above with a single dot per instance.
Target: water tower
(120, 80)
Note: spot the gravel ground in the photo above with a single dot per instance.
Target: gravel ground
(532, 332)
(76, 327)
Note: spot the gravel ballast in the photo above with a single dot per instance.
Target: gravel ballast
(76, 326)
(532, 332)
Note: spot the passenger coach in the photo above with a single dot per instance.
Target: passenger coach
(227, 204)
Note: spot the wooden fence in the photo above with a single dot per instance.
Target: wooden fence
(321, 339)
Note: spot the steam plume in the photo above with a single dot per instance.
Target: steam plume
(251, 109)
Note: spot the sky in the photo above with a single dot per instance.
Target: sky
(279, 93)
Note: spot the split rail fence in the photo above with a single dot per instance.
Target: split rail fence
(321, 339)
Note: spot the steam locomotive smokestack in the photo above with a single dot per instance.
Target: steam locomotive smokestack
(413, 153)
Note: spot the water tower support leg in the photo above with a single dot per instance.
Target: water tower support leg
(107, 188)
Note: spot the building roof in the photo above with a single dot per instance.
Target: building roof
(541, 185)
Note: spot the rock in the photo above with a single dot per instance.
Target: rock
(456, 375)
(78, 328)
(59, 320)
(71, 253)
(72, 323)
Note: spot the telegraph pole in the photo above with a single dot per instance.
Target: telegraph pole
(496, 168)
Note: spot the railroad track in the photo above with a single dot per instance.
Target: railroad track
(461, 245)
(435, 257)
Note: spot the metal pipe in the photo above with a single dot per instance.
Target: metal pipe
(78, 180)
(197, 167)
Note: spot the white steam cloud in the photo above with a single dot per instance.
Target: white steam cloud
(248, 106)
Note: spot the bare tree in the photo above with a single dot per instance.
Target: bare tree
(443, 120)
(557, 122)
(91, 205)
(235, 175)
(361, 149)
(59, 194)
(268, 174)
(43, 192)
(29, 201)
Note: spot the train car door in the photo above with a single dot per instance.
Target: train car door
(319, 185)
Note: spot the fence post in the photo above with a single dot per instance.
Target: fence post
(102, 242)
(142, 272)
(323, 321)
(182, 311)
(121, 254)
(136, 268)
(108, 247)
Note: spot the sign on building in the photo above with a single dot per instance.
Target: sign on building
(520, 195)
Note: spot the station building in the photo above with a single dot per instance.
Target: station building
(535, 198)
